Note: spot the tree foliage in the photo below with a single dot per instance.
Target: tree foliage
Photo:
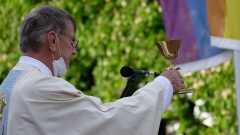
(114, 33)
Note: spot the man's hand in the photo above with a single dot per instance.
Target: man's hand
(175, 78)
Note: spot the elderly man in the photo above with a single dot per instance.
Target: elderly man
(38, 102)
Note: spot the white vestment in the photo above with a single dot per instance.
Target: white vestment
(44, 105)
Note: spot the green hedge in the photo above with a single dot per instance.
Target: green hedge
(114, 33)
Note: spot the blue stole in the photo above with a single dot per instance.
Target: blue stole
(6, 88)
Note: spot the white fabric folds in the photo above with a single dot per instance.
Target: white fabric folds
(46, 105)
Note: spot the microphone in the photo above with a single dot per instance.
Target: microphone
(126, 71)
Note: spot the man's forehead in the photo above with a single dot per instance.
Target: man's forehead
(70, 29)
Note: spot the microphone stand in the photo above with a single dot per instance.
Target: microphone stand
(130, 82)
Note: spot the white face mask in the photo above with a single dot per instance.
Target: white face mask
(59, 66)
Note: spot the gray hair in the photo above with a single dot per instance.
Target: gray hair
(39, 22)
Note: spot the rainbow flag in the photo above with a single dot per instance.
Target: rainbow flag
(207, 29)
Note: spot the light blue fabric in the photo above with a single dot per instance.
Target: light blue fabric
(198, 14)
(6, 87)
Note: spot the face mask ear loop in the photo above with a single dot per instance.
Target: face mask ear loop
(59, 47)
(52, 56)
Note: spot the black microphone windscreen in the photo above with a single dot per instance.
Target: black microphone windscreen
(126, 71)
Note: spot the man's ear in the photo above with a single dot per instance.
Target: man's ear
(52, 40)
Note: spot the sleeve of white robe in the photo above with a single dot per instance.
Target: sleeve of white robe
(167, 89)
(53, 106)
